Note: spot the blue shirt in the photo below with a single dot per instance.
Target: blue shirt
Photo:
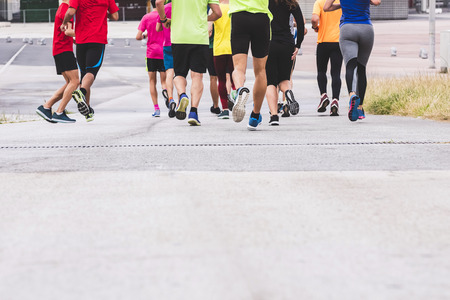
(355, 12)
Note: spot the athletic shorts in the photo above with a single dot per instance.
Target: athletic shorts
(65, 61)
(168, 57)
(210, 66)
(189, 57)
(90, 58)
(279, 63)
(155, 65)
(248, 28)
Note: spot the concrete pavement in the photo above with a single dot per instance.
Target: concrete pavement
(133, 207)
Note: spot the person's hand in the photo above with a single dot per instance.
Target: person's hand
(63, 27)
(316, 29)
(167, 23)
(294, 55)
(306, 31)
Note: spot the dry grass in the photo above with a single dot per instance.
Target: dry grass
(17, 118)
(426, 96)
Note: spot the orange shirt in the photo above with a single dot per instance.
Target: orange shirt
(328, 23)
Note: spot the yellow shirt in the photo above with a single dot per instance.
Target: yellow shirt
(328, 23)
(222, 32)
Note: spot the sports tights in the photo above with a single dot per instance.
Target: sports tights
(329, 52)
(223, 65)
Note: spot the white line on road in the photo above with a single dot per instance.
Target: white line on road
(12, 59)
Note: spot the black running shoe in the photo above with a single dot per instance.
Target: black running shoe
(230, 102)
(274, 120)
(285, 111)
(166, 97)
(294, 107)
(172, 107)
(215, 110)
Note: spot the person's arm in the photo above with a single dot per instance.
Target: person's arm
(162, 14)
(140, 35)
(69, 16)
(216, 12)
(113, 16)
(330, 6)
(298, 16)
(159, 27)
(375, 2)
(113, 11)
(69, 30)
(315, 22)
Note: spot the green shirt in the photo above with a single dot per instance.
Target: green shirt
(190, 21)
(251, 6)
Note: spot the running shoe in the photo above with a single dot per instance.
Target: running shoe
(274, 120)
(334, 108)
(182, 105)
(62, 118)
(166, 97)
(239, 105)
(45, 113)
(231, 98)
(285, 111)
(193, 119)
(157, 113)
(172, 107)
(253, 123)
(90, 115)
(294, 107)
(215, 110)
(353, 113)
(280, 107)
(361, 113)
(324, 101)
(225, 114)
(79, 98)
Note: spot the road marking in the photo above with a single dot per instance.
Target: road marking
(12, 59)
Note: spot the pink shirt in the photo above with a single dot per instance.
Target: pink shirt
(155, 39)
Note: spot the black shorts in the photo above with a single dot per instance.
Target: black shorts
(90, 58)
(211, 67)
(155, 65)
(251, 28)
(65, 61)
(189, 57)
(279, 63)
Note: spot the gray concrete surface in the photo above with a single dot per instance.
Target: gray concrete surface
(132, 207)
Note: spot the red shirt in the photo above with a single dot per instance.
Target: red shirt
(61, 42)
(91, 20)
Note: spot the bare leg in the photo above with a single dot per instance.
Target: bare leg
(162, 77)
(214, 89)
(180, 84)
(72, 83)
(196, 88)
(169, 82)
(86, 83)
(260, 86)
(240, 66)
(56, 96)
(272, 99)
(285, 85)
(153, 92)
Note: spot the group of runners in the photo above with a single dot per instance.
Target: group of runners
(215, 35)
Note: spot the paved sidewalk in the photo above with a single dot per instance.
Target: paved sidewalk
(133, 207)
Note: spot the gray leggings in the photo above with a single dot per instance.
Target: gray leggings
(356, 42)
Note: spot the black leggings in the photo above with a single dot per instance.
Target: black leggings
(329, 52)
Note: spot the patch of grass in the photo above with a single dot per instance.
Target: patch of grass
(426, 96)
(16, 118)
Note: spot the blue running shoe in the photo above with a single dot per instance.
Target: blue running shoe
(172, 107)
(361, 113)
(45, 113)
(253, 123)
(182, 105)
(157, 113)
(62, 118)
(353, 114)
(193, 119)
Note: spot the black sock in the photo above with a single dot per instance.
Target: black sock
(83, 90)
(194, 109)
(255, 115)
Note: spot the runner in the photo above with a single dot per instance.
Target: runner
(223, 60)
(66, 65)
(356, 42)
(155, 57)
(168, 61)
(213, 87)
(91, 30)
(250, 24)
(327, 26)
(189, 33)
(282, 53)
